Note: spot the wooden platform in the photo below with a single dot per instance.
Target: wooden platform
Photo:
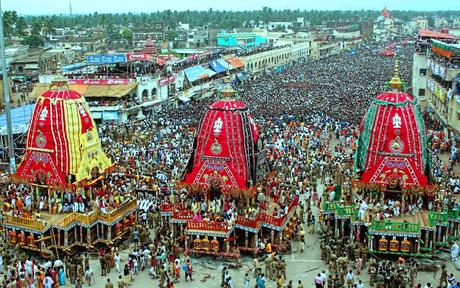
(421, 218)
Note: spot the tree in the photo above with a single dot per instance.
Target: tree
(21, 26)
(36, 28)
(431, 22)
(33, 41)
(9, 21)
(127, 34)
(48, 28)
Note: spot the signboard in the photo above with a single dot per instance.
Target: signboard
(100, 59)
(98, 81)
(167, 80)
(136, 56)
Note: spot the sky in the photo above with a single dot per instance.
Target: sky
(40, 7)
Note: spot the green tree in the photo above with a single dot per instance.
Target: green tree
(21, 26)
(127, 34)
(36, 28)
(431, 22)
(48, 28)
(33, 41)
(9, 21)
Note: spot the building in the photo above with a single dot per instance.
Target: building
(443, 78)
(242, 40)
(277, 59)
(34, 63)
(157, 33)
(14, 52)
(419, 66)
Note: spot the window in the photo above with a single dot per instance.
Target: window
(458, 115)
(421, 92)
(422, 72)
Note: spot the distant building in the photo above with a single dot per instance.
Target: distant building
(157, 33)
(239, 40)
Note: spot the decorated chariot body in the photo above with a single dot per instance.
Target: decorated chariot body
(222, 214)
(392, 170)
(62, 169)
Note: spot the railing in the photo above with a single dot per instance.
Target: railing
(166, 207)
(247, 222)
(454, 215)
(183, 215)
(347, 211)
(395, 226)
(437, 217)
(26, 223)
(120, 212)
(208, 226)
(267, 219)
(330, 206)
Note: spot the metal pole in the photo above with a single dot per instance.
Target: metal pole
(6, 93)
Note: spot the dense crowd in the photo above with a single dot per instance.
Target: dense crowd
(300, 111)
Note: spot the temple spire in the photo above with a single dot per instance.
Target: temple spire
(228, 92)
(395, 82)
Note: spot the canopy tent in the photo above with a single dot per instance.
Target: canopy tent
(195, 73)
(387, 53)
(209, 72)
(216, 66)
(235, 62)
(117, 91)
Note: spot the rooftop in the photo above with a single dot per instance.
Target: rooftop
(435, 34)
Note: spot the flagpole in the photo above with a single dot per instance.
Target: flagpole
(6, 93)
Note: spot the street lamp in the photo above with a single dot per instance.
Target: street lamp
(6, 93)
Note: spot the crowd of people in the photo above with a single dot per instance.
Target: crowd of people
(300, 112)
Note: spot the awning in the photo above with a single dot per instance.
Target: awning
(20, 118)
(31, 66)
(117, 91)
(184, 99)
(110, 115)
(195, 73)
(235, 62)
(209, 72)
(73, 66)
(217, 66)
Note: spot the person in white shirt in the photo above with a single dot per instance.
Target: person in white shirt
(323, 277)
(350, 278)
(117, 259)
(360, 284)
(48, 282)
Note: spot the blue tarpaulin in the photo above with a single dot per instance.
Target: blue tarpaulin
(196, 72)
(20, 118)
(241, 76)
(73, 66)
(217, 66)
(110, 116)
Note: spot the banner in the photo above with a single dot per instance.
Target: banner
(167, 80)
(136, 56)
(98, 81)
(100, 59)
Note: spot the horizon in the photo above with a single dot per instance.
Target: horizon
(85, 7)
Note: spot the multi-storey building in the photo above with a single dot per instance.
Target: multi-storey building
(443, 77)
(419, 66)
